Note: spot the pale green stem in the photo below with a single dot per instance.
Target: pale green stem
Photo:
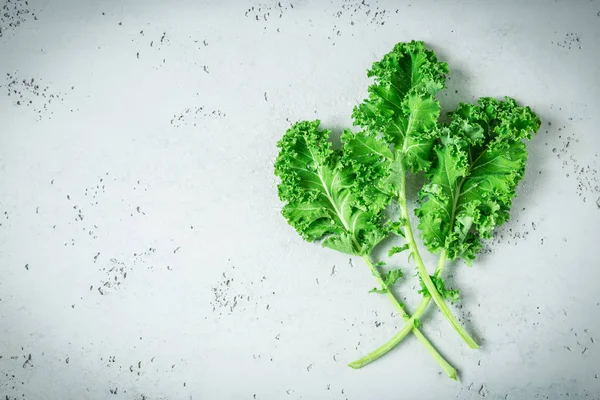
(448, 369)
(424, 275)
(397, 338)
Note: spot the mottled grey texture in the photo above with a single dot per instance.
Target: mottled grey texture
(142, 253)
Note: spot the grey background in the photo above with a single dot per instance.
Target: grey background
(142, 252)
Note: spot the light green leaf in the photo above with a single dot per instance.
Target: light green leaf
(319, 192)
(401, 108)
(479, 161)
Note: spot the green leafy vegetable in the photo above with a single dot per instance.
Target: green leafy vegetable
(480, 158)
(324, 203)
(351, 199)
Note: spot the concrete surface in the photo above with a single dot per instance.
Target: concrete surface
(142, 253)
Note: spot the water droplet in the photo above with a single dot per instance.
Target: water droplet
(331, 222)
(371, 154)
(311, 166)
(381, 159)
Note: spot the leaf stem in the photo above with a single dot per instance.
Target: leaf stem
(434, 293)
(397, 338)
(448, 369)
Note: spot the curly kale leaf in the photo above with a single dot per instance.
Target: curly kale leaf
(401, 108)
(320, 193)
(479, 161)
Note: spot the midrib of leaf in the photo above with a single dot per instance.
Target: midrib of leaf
(408, 129)
(413, 72)
(459, 187)
(454, 203)
(399, 106)
(327, 193)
